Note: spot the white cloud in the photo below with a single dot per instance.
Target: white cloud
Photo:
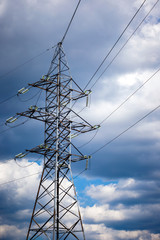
(102, 213)
(101, 232)
(124, 189)
(143, 101)
(142, 50)
(33, 25)
(13, 232)
(23, 187)
(127, 201)
(110, 192)
(24, 190)
(119, 213)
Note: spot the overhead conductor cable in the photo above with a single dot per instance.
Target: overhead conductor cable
(124, 44)
(115, 44)
(120, 134)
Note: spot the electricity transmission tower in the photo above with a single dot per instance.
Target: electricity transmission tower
(56, 213)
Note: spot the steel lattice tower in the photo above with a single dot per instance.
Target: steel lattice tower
(56, 212)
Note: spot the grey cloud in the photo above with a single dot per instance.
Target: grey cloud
(128, 205)
(30, 27)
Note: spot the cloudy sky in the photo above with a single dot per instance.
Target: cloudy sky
(126, 172)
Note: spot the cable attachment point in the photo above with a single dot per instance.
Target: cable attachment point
(11, 120)
(45, 77)
(43, 146)
(22, 90)
(96, 126)
(87, 160)
(60, 44)
(33, 107)
(87, 93)
(20, 155)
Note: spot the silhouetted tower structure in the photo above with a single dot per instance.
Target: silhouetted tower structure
(56, 214)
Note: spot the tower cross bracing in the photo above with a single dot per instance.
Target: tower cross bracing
(56, 214)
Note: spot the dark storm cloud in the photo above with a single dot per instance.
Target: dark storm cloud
(126, 161)
(10, 207)
(29, 28)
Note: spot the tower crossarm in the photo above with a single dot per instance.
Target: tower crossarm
(38, 113)
(50, 117)
(68, 86)
(44, 149)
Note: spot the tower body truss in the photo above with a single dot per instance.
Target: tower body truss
(56, 214)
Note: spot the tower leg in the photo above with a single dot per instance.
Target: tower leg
(65, 221)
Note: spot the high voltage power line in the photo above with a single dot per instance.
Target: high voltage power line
(114, 45)
(26, 166)
(99, 66)
(120, 105)
(28, 61)
(40, 54)
(99, 149)
(107, 143)
(59, 89)
(7, 99)
(106, 68)
(102, 61)
(43, 52)
(131, 95)
(17, 179)
(30, 175)
(26, 100)
(11, 127)
(20, 124)
(127, 129)
(111, 62)
(63, 38)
